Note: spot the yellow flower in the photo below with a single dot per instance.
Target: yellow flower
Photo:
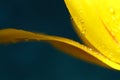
(97, 22)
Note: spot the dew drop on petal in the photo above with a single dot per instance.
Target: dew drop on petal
(112, 10)
(90, 49)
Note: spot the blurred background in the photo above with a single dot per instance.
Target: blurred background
(38, 60)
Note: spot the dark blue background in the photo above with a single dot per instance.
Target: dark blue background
(37, 60)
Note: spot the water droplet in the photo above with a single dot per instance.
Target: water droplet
(112, 10)
(81, 22)
(83, 31)
(90, 49)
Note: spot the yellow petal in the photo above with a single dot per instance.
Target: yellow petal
(66, 45)
(97, 23)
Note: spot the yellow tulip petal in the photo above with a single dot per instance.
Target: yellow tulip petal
(96, 26)
(66, 45)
